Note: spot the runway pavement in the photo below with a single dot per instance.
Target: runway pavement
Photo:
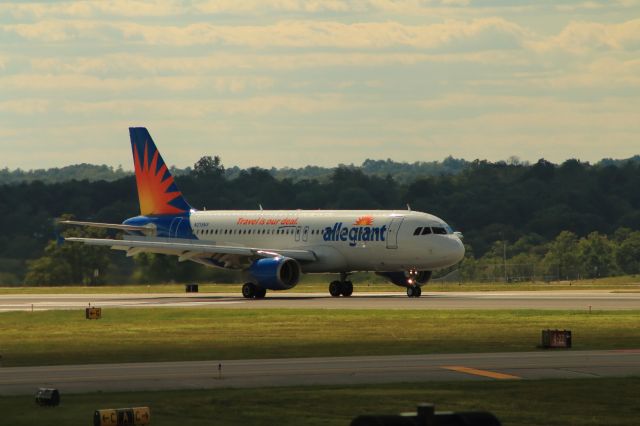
(321, 371)
(575, 300)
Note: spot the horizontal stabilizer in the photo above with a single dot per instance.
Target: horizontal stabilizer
(147, 229)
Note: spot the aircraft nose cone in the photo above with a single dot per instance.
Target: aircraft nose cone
(456, 250)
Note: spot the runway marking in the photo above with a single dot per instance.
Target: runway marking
(483, 373)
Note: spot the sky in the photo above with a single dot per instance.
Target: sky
(276, 83)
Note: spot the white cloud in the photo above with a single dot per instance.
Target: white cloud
(585, 37)
(603, 73)
(25, 106)
(258, 105)
(76, 83)
(325, 34)
(381, 77)
(282, 34)
(56, 31)
(89, 9)
(92, 9)
(130, 64)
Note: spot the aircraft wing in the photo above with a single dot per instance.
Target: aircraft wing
(196, 251)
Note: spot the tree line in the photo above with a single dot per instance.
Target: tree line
(402, 172)
(521, 207)
(566, 257)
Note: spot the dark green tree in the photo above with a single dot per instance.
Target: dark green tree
(628, 254)
(595, 254)
(69, 262)
(562, 259)
(208, 166)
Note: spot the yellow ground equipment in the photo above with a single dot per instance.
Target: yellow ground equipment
(138, 416)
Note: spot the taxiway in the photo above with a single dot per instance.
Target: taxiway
(321, 371)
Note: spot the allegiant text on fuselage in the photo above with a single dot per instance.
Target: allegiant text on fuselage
(339, 232)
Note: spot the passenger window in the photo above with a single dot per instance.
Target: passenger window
(417, 231)
(426, 230)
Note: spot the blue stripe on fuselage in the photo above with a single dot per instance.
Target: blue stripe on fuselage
(168, 226)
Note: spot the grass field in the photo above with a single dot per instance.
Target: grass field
(627, 283)
(546, 402)
(166, 334)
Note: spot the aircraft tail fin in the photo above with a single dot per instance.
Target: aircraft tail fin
(157, 191)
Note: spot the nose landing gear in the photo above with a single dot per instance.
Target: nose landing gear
(342, 287)
(413, 278)
(414, 291)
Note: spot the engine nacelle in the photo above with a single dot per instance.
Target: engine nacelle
(405, 279)
(275, 273)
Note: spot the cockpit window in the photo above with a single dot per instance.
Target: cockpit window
(426, 230)
(417, 231)
(439, 230)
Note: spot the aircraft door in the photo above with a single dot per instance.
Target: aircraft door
(392, 233)
(305, 233)
(298, 233)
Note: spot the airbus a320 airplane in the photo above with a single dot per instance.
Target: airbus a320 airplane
(275, 247)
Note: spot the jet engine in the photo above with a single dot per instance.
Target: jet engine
(275, 273)
(407, 278)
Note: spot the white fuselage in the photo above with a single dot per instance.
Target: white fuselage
(342, 240)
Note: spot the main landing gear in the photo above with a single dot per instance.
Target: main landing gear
(252, 291)
(342, 287)
(414, 291)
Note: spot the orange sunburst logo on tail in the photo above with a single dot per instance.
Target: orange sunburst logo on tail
(156, 189)
(364, 221)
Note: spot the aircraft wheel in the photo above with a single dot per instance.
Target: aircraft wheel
(335, 288)
(411, 291)
(347, 288)
(249, 290)
(417, 292)
(260, 292)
